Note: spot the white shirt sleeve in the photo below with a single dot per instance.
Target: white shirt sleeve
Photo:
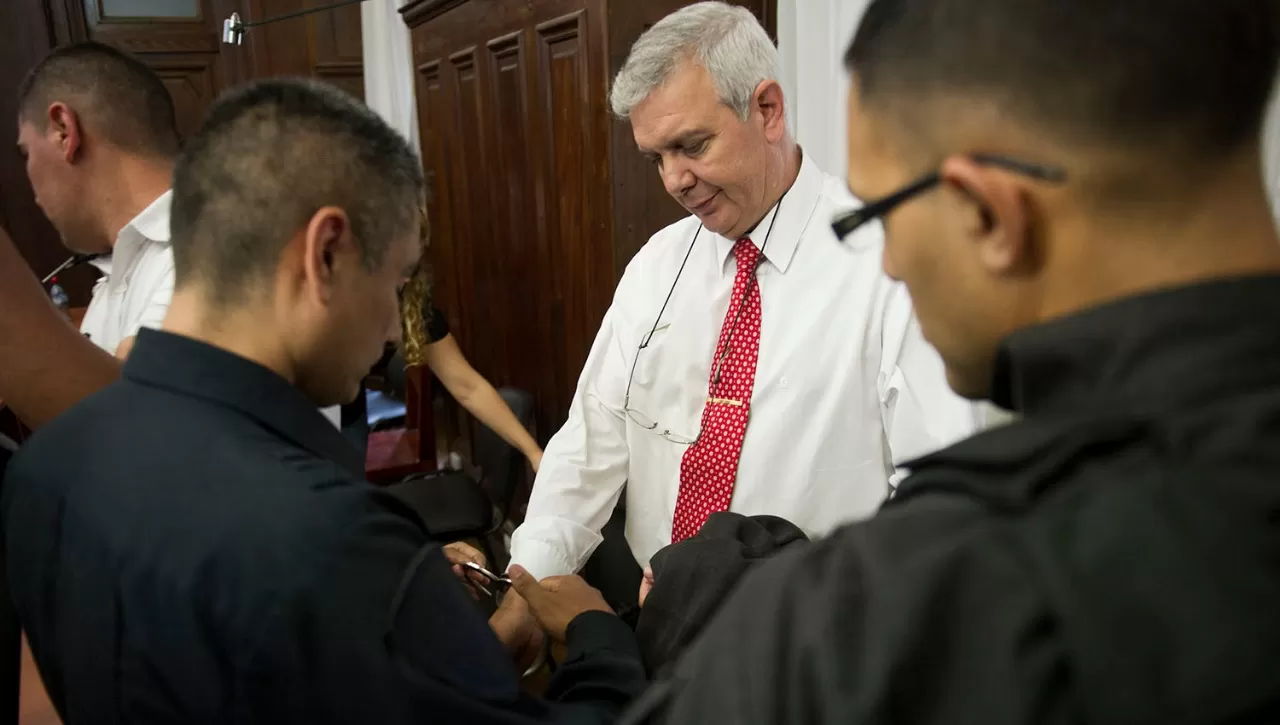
(154, 284)
(920, 412)
(583, 467)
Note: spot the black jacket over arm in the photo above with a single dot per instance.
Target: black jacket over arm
(1112, 558)
(196, 544)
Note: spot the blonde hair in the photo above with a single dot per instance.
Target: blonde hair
(415, 301)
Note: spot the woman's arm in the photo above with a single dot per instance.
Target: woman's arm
(475, 394)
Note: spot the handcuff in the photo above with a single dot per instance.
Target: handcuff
(500, 583)
(497, 585)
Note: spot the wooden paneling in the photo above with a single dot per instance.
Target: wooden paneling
(193, 84)
(188, 56)
(513, 138)
(339, 48)
(538, 198)
(327, 44)
(576, 234)
(185, 53)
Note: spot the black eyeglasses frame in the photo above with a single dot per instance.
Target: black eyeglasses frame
(849, 222)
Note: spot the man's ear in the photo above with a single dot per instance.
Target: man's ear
(769, 101)
(326, 239)
(994, 213)
(64, 130)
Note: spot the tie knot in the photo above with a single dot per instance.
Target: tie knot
(746, 252)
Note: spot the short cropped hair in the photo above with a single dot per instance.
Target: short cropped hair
(116, 96)
(1186, 78)
(267, 157)
(725, 39)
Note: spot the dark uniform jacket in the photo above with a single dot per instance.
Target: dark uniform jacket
(196, 544)
(1114, 557)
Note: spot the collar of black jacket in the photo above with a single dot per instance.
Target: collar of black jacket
(199, 370)
(1149, 351)
(1099, 378)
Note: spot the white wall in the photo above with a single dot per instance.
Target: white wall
(388, 66)
(812, 37)
(1272, 152)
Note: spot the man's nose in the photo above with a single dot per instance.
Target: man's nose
(677, 178)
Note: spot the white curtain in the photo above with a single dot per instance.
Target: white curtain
(1272, 152)
(812, 44)
(812, 37)
(388, 66)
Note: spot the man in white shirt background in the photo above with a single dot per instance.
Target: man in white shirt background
(98, 131)
(97, 128)
(749, 361)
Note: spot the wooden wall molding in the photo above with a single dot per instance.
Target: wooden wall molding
(421, 11)
(131, 40)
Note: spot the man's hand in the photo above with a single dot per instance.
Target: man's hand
(517, 630)
(556, 600)
(459, 553)
(645, 585)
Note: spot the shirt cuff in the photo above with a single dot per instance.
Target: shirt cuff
(550, 546)
(538, 557)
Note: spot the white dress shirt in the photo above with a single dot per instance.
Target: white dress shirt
(845, 385)
(137, 280)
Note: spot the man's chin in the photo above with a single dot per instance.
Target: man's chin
(969, 385)
(332, 397)
(715, 224)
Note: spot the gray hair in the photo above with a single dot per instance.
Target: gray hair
(725, 39)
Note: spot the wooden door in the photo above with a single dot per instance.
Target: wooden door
(514, 134)
(326, 44)
(179, 39)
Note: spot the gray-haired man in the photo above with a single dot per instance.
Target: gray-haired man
(816, 346)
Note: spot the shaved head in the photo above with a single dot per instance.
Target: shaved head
(268, 156)
(1178, 79)
(118, 99)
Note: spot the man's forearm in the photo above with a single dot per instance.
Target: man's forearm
(46, 366)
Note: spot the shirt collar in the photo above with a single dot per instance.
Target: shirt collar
(199, 370)
(153, 222)
(1149, 351)
(793, 213)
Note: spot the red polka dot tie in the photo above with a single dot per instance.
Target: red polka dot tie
(710, 465)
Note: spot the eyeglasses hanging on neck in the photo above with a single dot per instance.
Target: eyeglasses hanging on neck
(651, 424)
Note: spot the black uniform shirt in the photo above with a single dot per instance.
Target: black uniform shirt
(196, 544)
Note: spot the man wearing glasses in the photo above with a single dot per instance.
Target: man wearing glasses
(1072, 190)
(750, 361)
